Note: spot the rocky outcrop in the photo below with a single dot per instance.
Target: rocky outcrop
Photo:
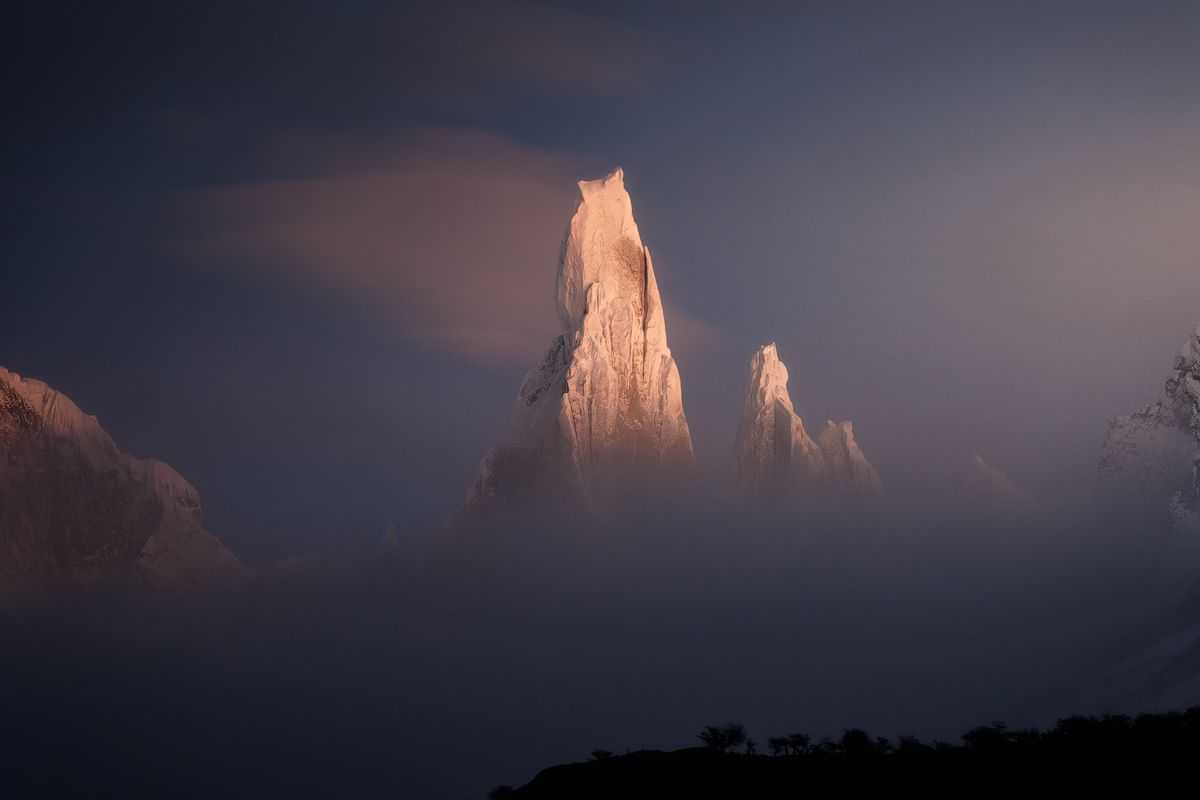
(982, 487)
(1151, 458)
(605, 402)
(847, 470)
(776, 457)
(74, 509)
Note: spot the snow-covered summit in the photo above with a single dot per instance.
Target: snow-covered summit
(776, 457)
(768, 381)
(31, 406)
(607, 395)
(602, 245)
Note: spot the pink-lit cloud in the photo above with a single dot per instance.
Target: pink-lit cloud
(451, 237)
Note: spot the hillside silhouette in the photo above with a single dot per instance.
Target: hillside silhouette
(731, 764)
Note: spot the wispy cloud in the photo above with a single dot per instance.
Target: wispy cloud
(452, 236)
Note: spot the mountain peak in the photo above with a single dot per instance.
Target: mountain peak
(768, 380)
(607, 394)
(986, 487)
(603, 245)
(778, 460)
(613, 181)
(53, 413)
(75, 507)
(847, 465)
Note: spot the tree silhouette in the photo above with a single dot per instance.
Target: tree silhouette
(910, 746)
(798, 743)
(1076, 746)
(826, 747)
(856, 743)
(988, 739)
(723, 737)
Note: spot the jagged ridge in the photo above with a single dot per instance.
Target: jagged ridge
(1153, 455)
(776, 457)
(74, 508)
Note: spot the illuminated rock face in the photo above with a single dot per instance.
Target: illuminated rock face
(606, 397)
(776, 457)
(775, 454)
(1153, 456)
(75, 509)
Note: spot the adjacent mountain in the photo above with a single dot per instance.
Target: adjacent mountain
(1151, 458)
(776, 457)
(983, 487)
(76, 510)
(605, 403)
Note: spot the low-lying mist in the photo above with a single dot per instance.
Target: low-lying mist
(441, 665)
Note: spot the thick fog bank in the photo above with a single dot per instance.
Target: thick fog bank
(439, 669)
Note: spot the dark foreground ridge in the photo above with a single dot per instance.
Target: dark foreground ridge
(1081, 749)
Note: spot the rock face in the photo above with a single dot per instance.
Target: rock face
(74, 509)
(606, 397)
(776, 457)
(1152, 457)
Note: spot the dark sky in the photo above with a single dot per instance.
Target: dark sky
(306, 255)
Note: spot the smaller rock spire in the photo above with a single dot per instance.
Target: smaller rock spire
(776, 457)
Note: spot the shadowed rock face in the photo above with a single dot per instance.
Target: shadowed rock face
(74, 509)
(1182, 389)
(777, 460)
(606, 399)
(1152, 457)
(982, 486)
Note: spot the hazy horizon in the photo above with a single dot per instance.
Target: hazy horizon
(306, 255)
(312, 283)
